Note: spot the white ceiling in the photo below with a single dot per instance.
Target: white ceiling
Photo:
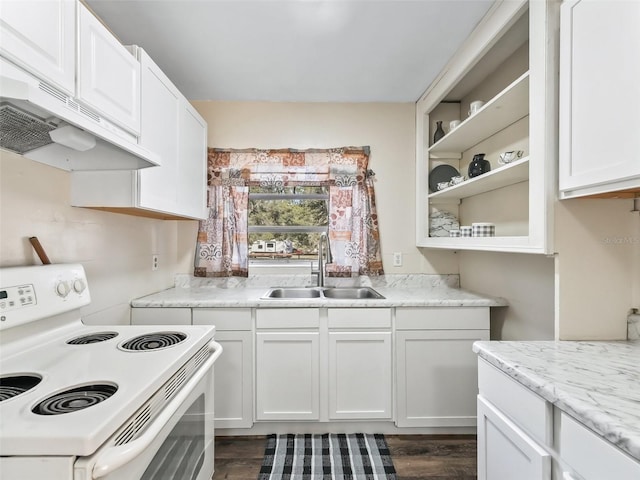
(296, 50)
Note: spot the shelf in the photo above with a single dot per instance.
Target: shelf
(504, 109)
(520, 244)
(509, 174)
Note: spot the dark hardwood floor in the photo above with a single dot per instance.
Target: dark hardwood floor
(415, 457)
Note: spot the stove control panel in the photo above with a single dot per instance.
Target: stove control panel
(16, 297)
(28, 294)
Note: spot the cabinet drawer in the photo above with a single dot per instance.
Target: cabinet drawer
(592, 457)
(234, 319)
(359, 317)
(505, 452)
(442, 318)
(160, 316)
(288, 318)
(529, 411)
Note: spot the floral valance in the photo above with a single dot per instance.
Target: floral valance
(338, 166)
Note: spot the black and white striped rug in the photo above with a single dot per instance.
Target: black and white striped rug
(355, 456)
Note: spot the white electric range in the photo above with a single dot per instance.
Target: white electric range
(85, 402)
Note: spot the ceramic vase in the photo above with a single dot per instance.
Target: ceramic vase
(439, 133)
(478, 165)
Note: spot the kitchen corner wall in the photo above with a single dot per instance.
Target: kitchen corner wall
(597, 267)
(525, 280)
(114, 249)
(586, 291)
(388, 128)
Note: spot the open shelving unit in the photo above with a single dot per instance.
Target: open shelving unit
(508, 62)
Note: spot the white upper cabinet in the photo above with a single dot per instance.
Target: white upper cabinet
(509, 62)
(170, 128)
(180, 138)
(192, 166)
(160, 100)
(599, 98)
(40, 37)
(108, 75)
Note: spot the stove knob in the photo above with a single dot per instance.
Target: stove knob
(62, 289)
(79, 286)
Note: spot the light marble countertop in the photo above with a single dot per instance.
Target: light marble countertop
(408, 290)
(203, 297)
(597, 383)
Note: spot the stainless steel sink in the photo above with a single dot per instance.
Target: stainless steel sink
(293, 292)
(355, 293)
(338, 293)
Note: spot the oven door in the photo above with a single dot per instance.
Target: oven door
(177, 445)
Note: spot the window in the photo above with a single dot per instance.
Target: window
(285, 223)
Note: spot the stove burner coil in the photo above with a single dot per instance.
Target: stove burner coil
(75, 399)
(14, 385)
(92, 338)
(154, 341)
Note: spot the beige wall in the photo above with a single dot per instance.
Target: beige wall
(589, 287)
(389, 129)
(115, 249)
(525, 280)
(597, 268)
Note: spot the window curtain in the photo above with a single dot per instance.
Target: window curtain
(222, 247)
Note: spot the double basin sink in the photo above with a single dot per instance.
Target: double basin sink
(338, 293)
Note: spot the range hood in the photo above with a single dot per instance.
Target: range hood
(47, 125)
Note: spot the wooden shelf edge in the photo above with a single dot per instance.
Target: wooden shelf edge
(139, 212)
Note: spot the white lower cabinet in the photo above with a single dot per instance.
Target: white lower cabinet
(359, 375)
(287, 375)
(504, 451)
(288, 364)
(587, 456)
(360, 379)
(233, 375)
(514, 427)
(323, 364)
(436, 367)
(522, 436)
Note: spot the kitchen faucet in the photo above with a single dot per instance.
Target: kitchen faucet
(321, 253)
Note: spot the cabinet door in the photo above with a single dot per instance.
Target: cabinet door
(233, 381)
(287, 376)
(590, 455)
(504, 451)
(41, 37)
(437, 375)
(599, 96)
(192, 166)
(359, 375)
(158, 188)
(108, 75)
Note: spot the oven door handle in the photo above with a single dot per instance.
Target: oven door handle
(115, 457)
